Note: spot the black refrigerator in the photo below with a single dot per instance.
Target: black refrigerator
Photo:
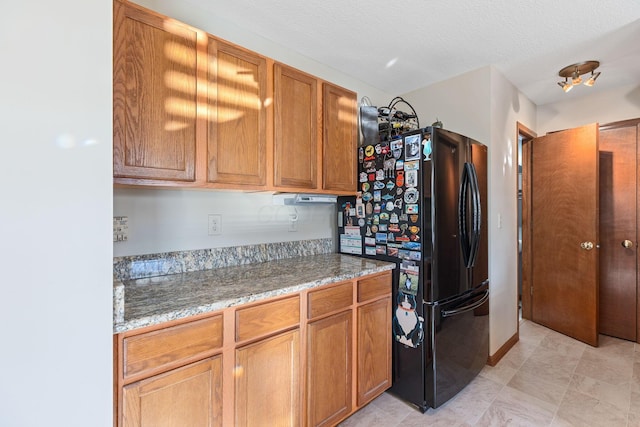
(423, 204)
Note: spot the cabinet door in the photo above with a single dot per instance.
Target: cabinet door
(237, 148)
(339, 139)
(374, 349)
(188, 396)
(329, 369)
(268, 382)
(154, 95)
(296, 131)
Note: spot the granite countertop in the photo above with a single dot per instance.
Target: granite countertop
(153, 300)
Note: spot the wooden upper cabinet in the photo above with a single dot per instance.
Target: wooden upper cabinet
(192, 110)
(295, 128)
(339, 139)
(237, 120)
(154, 95)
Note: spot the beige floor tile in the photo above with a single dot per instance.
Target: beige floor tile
(579, 409)
(473, 400)
(531, 332)
(635, 376)
(545, 379)
(393, 406)
(518, 354)
(634, 403)
(500, 373)
(563, 344)
(533, 384)
(617, 395)
(633, 420)
(609, 368)
(514, 408)
(441, 417)
(370, 416)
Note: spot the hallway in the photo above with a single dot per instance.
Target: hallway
(546, 379)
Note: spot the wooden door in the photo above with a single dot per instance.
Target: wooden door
(237, 147)
(329, 369)
(154, 95)
(188, 396)
(268, 383)
(618, 229)
(295, 128)
(565, 232)
(374, 349)
(339, 139)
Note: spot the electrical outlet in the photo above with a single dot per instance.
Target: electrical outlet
(293, 222)
(215, 224)
(120, 228)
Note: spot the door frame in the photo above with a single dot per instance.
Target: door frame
(523, 234)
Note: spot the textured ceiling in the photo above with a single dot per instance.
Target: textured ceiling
(399, 46)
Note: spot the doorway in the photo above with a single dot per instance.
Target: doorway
(524, 136)
(618, 304)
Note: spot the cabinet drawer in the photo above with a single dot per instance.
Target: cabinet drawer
(372, 287)
(154, 349)
(265, 318)
(334, 298)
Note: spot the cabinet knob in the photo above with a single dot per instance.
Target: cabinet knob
(627, 244)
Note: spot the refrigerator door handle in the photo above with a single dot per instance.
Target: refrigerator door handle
(469, 243)
(464, 309)
(477, 215)
(462, 215)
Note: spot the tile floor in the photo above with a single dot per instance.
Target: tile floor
(546, 379)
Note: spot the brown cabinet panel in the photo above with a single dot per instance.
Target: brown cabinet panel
(266, 318)
(268, 382)
(188, 396)
(237, 148)
(374, 286)
(329, 356)
(323, 301)
(145, 352)
(295, 128)
(339, 139)
(374, 349)
(154, 95)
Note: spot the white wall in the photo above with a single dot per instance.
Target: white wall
(508, 106)
(614, 105)
(177, 220)
(461, 103)
(483, 105)
(55, 215)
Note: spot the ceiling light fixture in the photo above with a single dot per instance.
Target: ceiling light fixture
(565, 85)
(574, 72)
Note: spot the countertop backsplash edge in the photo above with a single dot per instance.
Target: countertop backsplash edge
(160, 264)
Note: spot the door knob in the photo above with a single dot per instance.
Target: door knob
(587, 246)
(627, 244)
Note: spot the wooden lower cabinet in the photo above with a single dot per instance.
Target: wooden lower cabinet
(268, 382)
(187, 396)
(374, 349)
(306, 359)
(329, 369)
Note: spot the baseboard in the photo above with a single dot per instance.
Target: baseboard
(493, 359)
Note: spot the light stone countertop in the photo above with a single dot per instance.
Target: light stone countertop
(150, 301)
